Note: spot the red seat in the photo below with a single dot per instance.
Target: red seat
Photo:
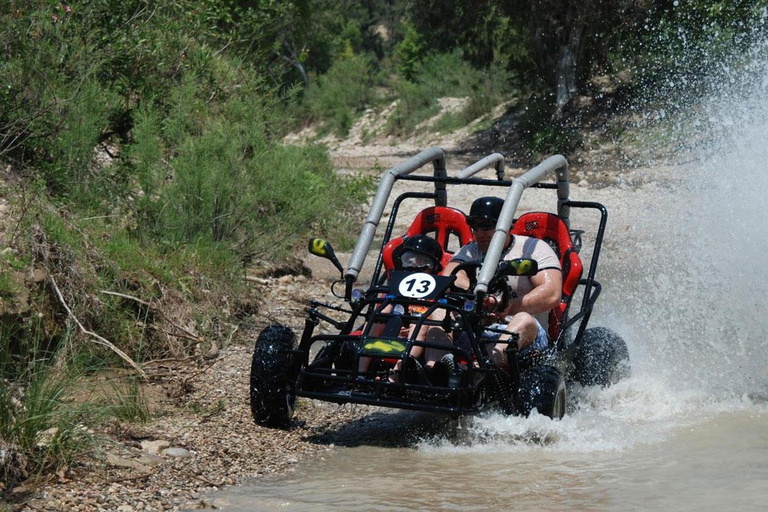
(441, 223)
(551, 228)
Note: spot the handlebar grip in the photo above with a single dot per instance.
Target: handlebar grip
(350, 280)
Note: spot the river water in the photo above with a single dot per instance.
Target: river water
(686, 284)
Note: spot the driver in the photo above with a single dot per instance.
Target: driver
(531, 298)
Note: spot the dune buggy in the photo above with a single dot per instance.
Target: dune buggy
(325, 364)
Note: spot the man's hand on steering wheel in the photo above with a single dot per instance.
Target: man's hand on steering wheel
(470, 269)
(499, 289)
(496, 300)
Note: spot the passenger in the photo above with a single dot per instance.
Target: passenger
(531, 298)
(418, 253)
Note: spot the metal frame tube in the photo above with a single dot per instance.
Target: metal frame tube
(557, 164)
(496, 159)
(437, 157)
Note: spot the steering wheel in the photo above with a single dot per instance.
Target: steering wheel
(497, 285)
(500, 285)
(470, 268)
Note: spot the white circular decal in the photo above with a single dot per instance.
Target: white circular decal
(417, 285)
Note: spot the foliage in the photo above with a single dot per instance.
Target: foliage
(477, 27)
(137, 81)
(446, 75)
(409, 52)
(338, 96)
(149, 134)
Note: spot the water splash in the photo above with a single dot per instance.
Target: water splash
(685, 285)
(699, 306)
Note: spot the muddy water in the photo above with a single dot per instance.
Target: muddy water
(717, 461)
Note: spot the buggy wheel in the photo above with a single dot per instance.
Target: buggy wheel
(602, 358)
(543, 388)
(272, 387)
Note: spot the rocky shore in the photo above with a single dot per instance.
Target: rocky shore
(201, 437)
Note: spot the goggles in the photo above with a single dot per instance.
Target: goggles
(412, 260)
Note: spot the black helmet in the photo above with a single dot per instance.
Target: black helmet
(419, 252)
(485, 210)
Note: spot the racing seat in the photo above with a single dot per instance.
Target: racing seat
(441, 223)
(550, 228)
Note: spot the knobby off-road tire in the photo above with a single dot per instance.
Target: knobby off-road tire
(272, 387)
(602, 359)
(504, 392)
(543, 388)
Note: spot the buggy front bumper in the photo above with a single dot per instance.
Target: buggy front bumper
(328, 385)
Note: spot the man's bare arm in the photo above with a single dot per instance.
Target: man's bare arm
(545, 295)
(462, 280)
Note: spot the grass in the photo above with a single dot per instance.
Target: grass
(39, 420)
(48, 407)
(126, 401)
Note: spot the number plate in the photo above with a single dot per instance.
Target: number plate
(417, 285)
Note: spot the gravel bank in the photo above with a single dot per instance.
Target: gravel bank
(202, 437)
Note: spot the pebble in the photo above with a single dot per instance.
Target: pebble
(151, 460)
(114, 460)
(179, 453)
(154, 446)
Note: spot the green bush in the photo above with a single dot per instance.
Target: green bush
(337, 97)
(229, 183)
(447, 75)
(409, 52)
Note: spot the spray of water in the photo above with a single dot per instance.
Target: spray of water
(686, 284)
(697, 305)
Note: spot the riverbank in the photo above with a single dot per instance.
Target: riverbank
(202, 436)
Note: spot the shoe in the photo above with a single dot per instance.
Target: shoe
(412, 372)
(441, 372)
(456, 377)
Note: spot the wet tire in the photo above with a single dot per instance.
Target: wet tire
(543, 388)
(272, 385)
(602, 358)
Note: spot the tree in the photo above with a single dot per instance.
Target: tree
(560, 39)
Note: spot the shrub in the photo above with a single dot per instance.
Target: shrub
(229, 183)
(337, 97)
(447, 75)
